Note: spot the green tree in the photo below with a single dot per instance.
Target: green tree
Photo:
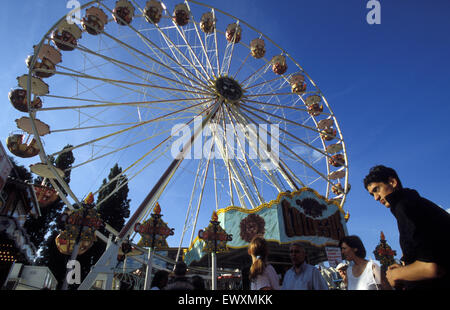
(114, 210)
(38, 228)
(20, 172)
(44, 230)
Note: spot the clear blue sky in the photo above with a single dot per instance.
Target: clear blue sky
(387, 84)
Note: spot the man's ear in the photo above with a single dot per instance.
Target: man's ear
(393, 182)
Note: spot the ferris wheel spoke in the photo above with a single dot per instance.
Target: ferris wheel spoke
(278, 163)
(252, 141)
(227, 153)
(117, 150)
(175, 55)
(219, 140)
(254, 76)
(122, 64)
(147, 41)
(90, 89)
(216, 194)
(244, 106)
(216, 44)
(270, 95)
(240, 177)
(246, 192)
(165, 140)
(127, 181)
(103, 103)
(293, 136)
(160, 63)
(172, 46)
(249, 170)
(188, 212)
(94, 127)
(202, 45)
(253, 144)
(273, 89)
(242, 65)
(200, 199)
(170, 81)
(279, 78)
(280, 106)
(129, 128)
(154, 148)
(228, 55)
(113, 82)
(236, 183)
(90, 117)
(192, 53)
(299, 158)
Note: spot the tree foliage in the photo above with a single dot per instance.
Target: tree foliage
(20, 172)
(114, 210)
(43, 230)
(38, 228)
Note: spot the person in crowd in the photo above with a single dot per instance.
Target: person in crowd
(328, 276)
(160, 280)
(180, 282)
(362, 274)
(342, 270)
(302, 276)
(198, 283)
(262, 275)
(424, 230)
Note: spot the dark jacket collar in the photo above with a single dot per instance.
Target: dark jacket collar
(401, 194)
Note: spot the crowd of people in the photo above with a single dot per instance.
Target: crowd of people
(424, 230)
(179, 281)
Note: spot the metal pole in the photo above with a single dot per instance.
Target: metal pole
(213, 271)
(214, 259)
(72, 257)
(124, 267)
(148, 274)
(75, 250)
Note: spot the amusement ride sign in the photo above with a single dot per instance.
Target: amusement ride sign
(302, 215)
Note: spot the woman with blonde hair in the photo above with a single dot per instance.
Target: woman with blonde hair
(262, 275)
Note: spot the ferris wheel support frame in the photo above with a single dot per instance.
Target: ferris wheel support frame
(239, 179)
(106, 262)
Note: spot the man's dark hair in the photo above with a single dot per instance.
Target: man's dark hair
(160, 279)
(180, 268)
(198, 283)
(381, 173)
(355, 243)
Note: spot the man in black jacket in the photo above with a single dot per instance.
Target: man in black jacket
(424, 231)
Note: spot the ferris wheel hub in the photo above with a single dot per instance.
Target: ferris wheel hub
(228, 89)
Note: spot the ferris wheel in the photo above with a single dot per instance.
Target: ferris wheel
(199, 108)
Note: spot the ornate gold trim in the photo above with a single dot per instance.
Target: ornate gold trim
(269, 205)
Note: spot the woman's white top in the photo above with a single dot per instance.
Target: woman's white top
(369, 279)
(268, 278)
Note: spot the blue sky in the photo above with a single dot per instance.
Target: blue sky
(387, 85)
